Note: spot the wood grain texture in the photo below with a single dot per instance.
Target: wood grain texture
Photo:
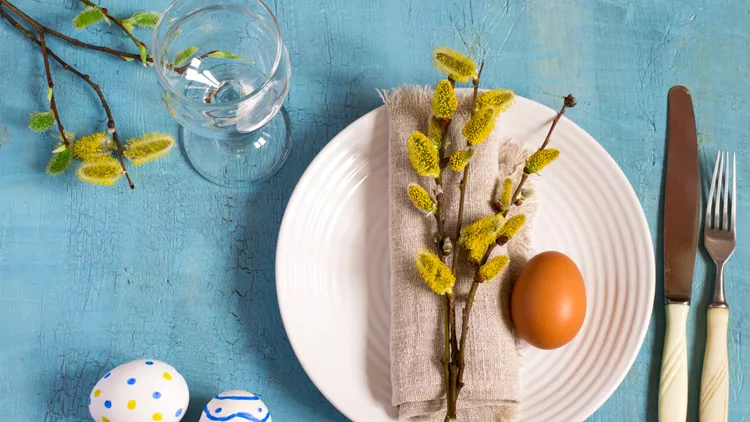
(183, 271)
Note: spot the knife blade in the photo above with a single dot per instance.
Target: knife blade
(682, 198)
(681, 208)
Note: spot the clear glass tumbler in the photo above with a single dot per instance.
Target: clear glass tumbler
(225, 73)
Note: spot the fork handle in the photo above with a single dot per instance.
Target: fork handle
(714, 403)
(674, 377)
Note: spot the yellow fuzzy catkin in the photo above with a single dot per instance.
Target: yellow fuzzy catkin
(512, 226)
(540, 159)
(493, 267)
(148, 148)
(477, 236)
(421, 198)
(460, 159)
(434, 272)
(444, 101)
(454, 64)
(436, 132)
(507, 192)
(93, 147)
(501, 99)
(480, 125)
(106, 171)
(423, 155)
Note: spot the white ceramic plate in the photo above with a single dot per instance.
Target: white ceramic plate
(332, 269)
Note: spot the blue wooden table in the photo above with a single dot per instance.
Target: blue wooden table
(183, 271)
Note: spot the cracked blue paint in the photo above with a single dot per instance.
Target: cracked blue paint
(183, 270)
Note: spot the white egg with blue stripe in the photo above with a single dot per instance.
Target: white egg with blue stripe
(236, 406)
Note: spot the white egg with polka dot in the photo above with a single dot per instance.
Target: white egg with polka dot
(236, 406)
(140, 391)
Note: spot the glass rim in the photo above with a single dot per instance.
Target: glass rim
(165, 84)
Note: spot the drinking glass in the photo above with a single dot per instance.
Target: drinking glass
(225, 72)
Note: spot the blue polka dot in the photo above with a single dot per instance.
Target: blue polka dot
(260, 409)
(108, 404)
(108, 374)
(218, 410)
(156, 395)
(89, 401)
(179, 412)
(131, 381)
(148, 362)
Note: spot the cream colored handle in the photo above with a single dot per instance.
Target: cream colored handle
(714, 404)
(674, 377)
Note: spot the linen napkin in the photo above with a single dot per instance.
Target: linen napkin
(493, 356)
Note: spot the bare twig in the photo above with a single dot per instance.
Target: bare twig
(76, 42)
(105, 105)
(568, 102)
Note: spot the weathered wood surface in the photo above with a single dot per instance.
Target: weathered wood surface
(183, 271)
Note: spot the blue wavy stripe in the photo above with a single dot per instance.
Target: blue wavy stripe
(241, 415)
(237, 398)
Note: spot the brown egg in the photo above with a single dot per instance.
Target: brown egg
(548, 303)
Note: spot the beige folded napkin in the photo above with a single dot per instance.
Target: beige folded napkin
(493, 356)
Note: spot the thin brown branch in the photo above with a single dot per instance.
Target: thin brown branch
(73, 41)
(466, 314)
(51, 89)
(516, 193)
(446, 352)
(105, 105)
(569, 102)
(50, 83)
(465, 177)
(476, 89)
(138, 43)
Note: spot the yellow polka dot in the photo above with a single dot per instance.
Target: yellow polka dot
(97, 393)
(156, 416)
(131, 404)
(168, 378)
(105, 419)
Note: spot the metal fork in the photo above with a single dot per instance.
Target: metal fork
(719, 238)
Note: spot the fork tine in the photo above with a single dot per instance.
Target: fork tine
(734, 192)
(717, 200)
(711, 192)
(725, 216)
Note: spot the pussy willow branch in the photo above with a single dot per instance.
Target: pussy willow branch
(138, 43)
(185, 67)
(450, 342)
(465, 177)
(455, 366)
(76, 42)
(105, 105)
(568, 103)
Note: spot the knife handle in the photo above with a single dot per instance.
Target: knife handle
(714, 404)
(673, 386)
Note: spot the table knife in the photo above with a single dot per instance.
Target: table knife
(681, 210)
